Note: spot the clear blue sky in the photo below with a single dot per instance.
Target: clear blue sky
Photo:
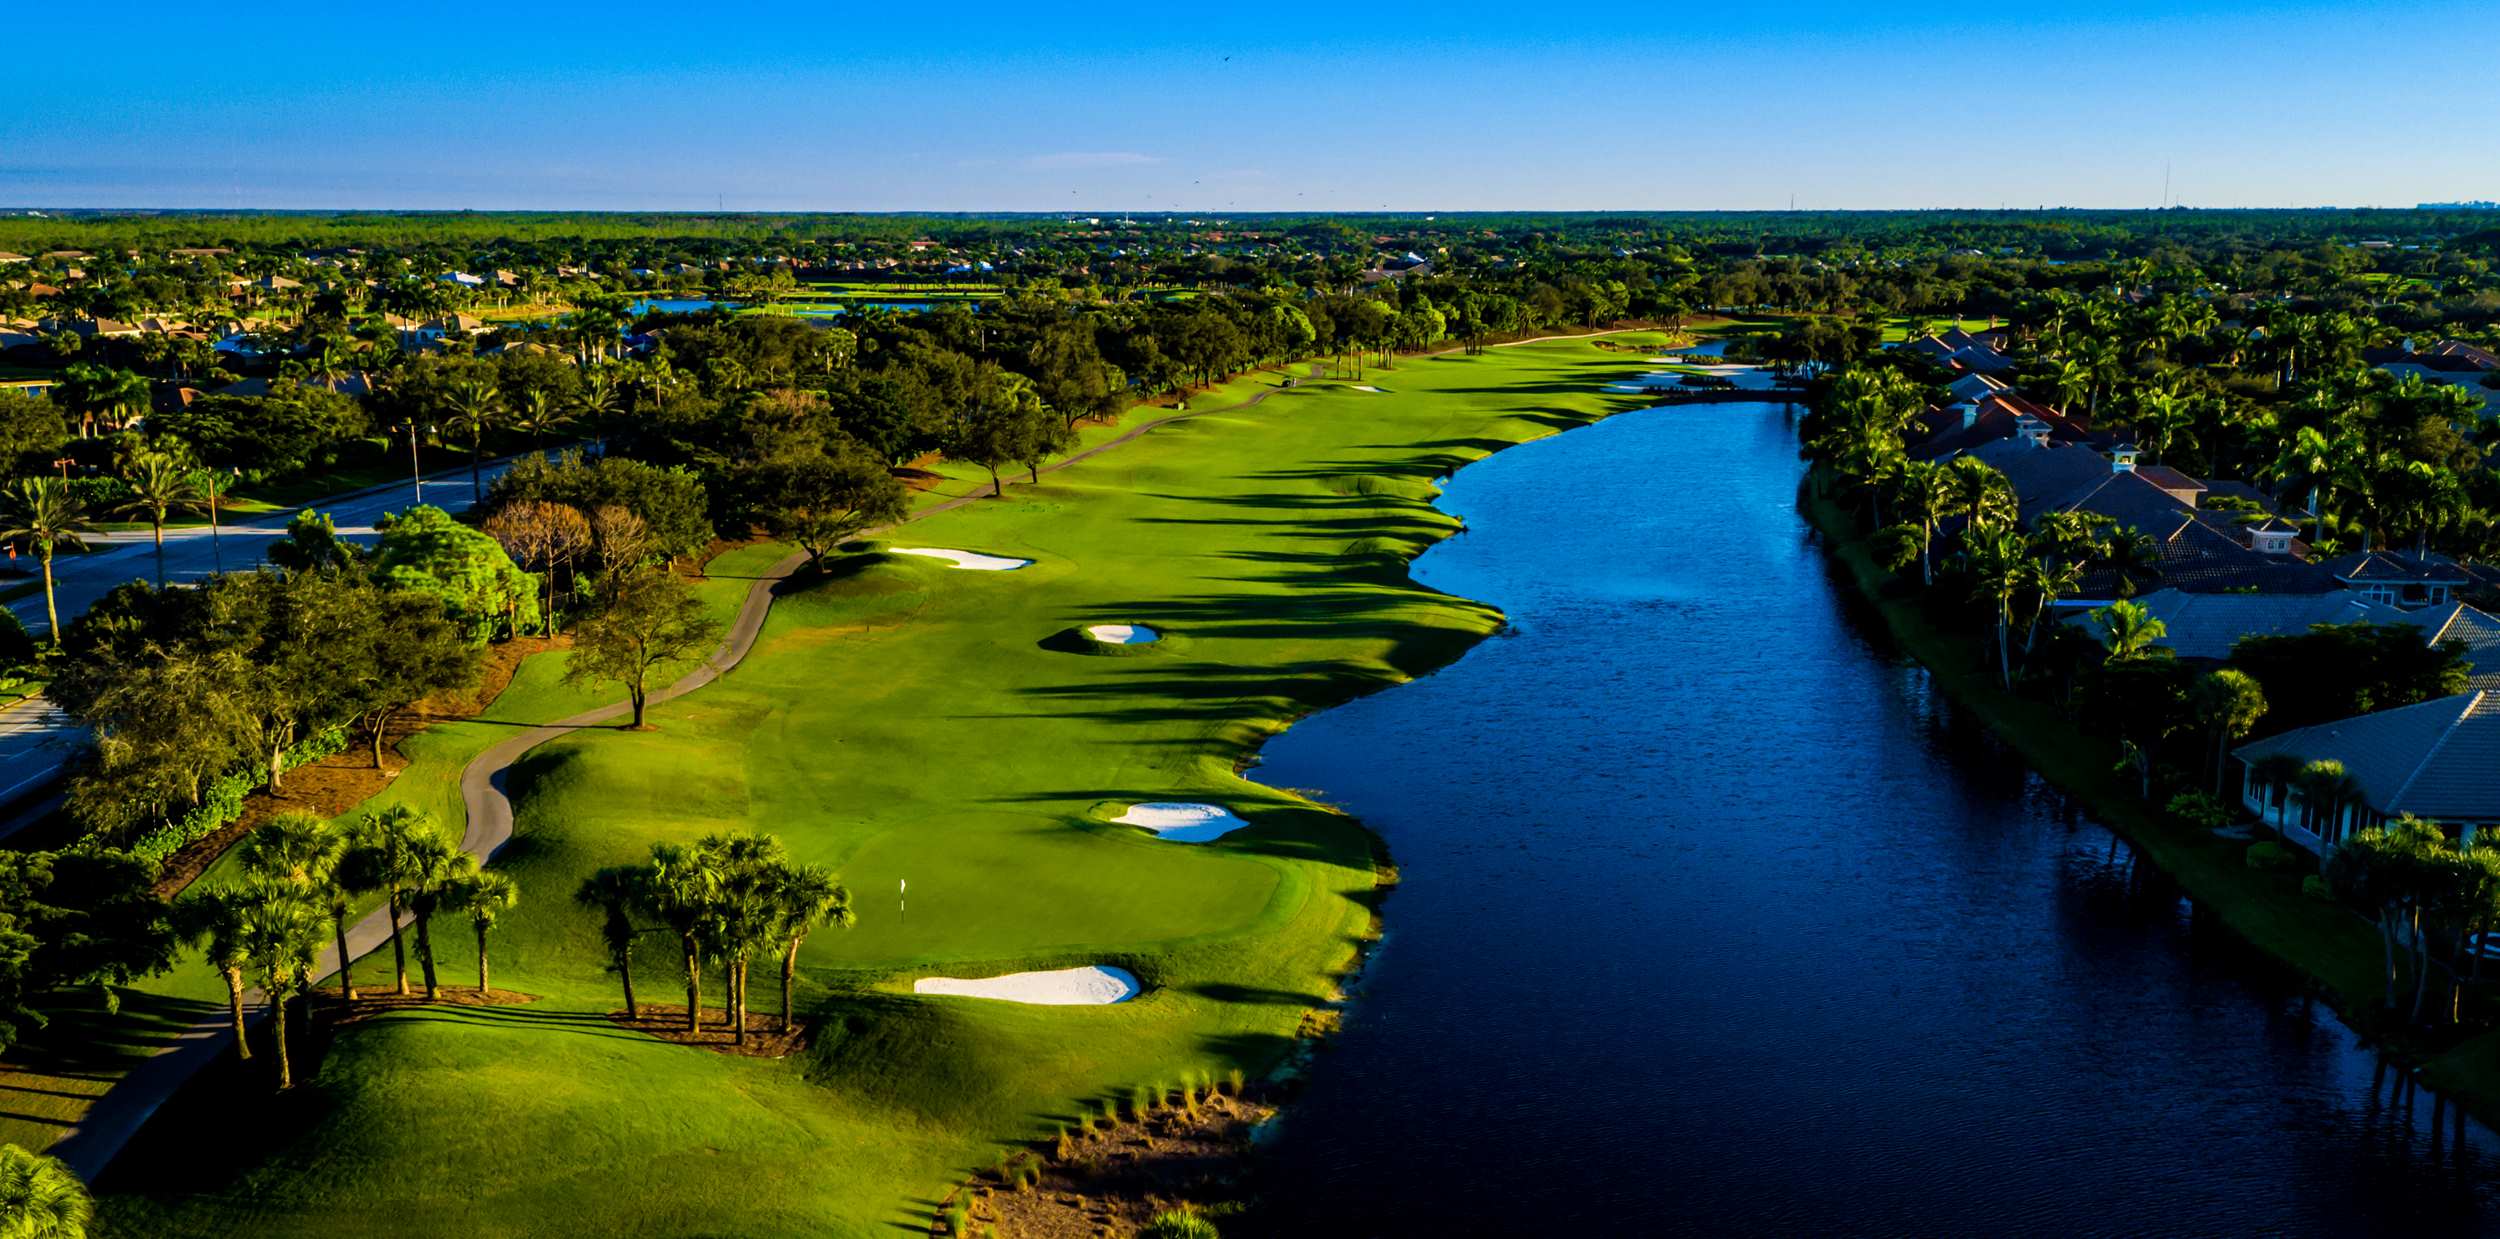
(968, 106)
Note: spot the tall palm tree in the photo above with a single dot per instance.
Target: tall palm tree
(159, 487)
(215, 918)
(2000, 564)
(749, 866)
(804, 897)
(41, 513)
(614, 893)
(283, 928)
(683, 891)
(212, 488)
(473, 406)
(438, 869)
(2230, 702)
(41, 1197)
(1925, 496)
(484, 895)
(381, 856)
(308, 854)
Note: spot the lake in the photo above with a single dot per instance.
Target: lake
(1716, 917)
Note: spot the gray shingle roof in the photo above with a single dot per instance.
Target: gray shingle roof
(2207, 625)
(2438, 760)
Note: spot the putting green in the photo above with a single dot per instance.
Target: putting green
(903, 721)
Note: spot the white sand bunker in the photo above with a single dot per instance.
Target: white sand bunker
(1068, 987)
(972, 560)
(1182, 823)
(1122, 634)
(1368, 388)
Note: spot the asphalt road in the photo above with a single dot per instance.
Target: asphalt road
(36, 739)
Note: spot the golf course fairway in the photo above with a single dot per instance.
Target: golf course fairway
(905, 722)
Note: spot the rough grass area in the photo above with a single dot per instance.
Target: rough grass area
(901, 721)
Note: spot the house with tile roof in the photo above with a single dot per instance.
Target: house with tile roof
(2401, 580)
(2437, 760)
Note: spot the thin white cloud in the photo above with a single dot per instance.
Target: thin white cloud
(1063, 161)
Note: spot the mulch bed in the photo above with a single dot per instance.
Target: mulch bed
(337, 783)
(1114, 1181)
(764, 1036)
(371, 1003)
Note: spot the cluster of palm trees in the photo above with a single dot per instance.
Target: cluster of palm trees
(723, 899)
(300, 880)
(2435, 901)
(44, 514)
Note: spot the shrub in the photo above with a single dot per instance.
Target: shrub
(959, 1220)
(1141, 1102)
(2315, 887)
(1178, 1224)
(2200, 810)
(2272, 857)
(1233, 1081)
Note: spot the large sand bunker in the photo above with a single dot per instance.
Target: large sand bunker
(1182, 823)
(1092, 986)
(971, 560)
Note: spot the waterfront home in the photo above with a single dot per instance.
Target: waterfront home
(2438, 760)
(2401, 580)
(2203, 627)
(2196, 549)
(1993, 416)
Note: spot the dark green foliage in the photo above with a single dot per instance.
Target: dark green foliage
(669, 501)
(70, 919)
(293, 428)
(2339, 670)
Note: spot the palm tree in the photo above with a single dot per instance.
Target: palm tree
(682, 890)
(216, 919)
(158, 487)
(381, 856)
(1926, 495)
(2128, 631)
(309, 854)
(472, 406)
(1999, 564)
(803, 897)
(212, 488)
(437, 870)
(283, 929)
(2049, 580)
(41, 513)
(749, 867)
(484, 895)
(1981, 494)
(41, 1197)
(2326, 790)
(614, 893)
(538, 416)
(2230, 702)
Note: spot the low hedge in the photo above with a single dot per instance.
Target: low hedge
(222, 803)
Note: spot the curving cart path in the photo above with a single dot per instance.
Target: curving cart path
(107, 1127)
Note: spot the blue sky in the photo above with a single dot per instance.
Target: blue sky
(968, 106)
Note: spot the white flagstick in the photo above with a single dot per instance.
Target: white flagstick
(902, 896)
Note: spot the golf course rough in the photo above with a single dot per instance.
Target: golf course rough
(904, 726)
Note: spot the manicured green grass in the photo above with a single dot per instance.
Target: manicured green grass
(903, 720)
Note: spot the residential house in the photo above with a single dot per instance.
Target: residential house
(358, 384)
(1971, 421)
(1967, 351)
(2448, 363)
(29, 387)
(2196, 549)
(2438, 760)
(2401, 580)
(2203, 627)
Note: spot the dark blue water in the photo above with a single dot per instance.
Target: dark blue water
(1716, 919)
